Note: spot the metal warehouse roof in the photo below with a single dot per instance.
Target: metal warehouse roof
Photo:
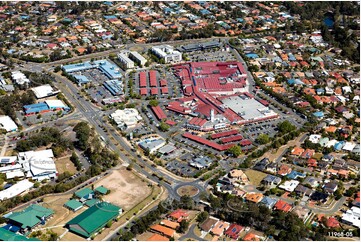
(91, 202)
(6, 235)
(36, 108)
(158, 111)
(224, 134)
(73, 204)
(7, 123)
(204, 141)
(93, 219)
(31, 215)
(84, 192)
(101, 190)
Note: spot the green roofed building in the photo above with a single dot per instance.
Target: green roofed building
(29, 217)
(6, 235)
(91, 202)
(93, 219)
(102, 190)
(73, 205)
(85, 193)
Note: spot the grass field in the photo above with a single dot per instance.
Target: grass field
(187, 191)
(255, 177)
(64, 164)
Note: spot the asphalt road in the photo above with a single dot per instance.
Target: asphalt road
(191, 235)
(94, 117)
(39, 66)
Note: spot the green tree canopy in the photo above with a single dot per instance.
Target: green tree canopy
(235, 150)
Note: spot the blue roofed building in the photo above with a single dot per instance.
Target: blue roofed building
(295, 82)
(252, 55)
(339, 145)
(291, 57)
(318, 114)
(81, 79)
(239, 20)
(48, 105)
(110, 16)
(78, 67)
(115, 87)
(107, 68)
(268, 202)
(35, 108)
(204, 12)
(320, 91)
(295, 175)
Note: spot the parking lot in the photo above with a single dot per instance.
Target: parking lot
(173, 84)
(218, 55)
(252, 131)
(175, 154)
(27, 121)
(181, 165)
(96, 90)
(140, 130)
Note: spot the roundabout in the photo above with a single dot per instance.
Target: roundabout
(187, 190)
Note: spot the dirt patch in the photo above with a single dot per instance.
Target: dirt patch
(255, 177)
(64, 164)
(69, 236)
(187, 191)
(126, 189)
(144, 236)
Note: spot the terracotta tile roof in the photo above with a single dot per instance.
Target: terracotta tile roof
(297, 151)
(179, 215)
(332, 223)
(250, 237)
(254, 197)
(220, 227)
(170, 224)
(163, 230)
(283, 206)
(157, 237)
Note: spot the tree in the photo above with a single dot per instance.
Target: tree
(183, 226)
(186, 202)
(235, 150)
(82, 131)
(153, 103)
(164, 127)
(286, 127)
(263, 139)
(202, 216)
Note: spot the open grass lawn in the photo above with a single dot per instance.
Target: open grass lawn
(255, 177)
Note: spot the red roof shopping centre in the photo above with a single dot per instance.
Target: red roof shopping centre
(217, 93)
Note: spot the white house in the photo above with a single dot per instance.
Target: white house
(352, 217)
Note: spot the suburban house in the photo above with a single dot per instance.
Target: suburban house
(238, 175)
(271, 180)
(209, 224)
(330, 187)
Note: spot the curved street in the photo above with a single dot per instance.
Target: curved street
(191, 235)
